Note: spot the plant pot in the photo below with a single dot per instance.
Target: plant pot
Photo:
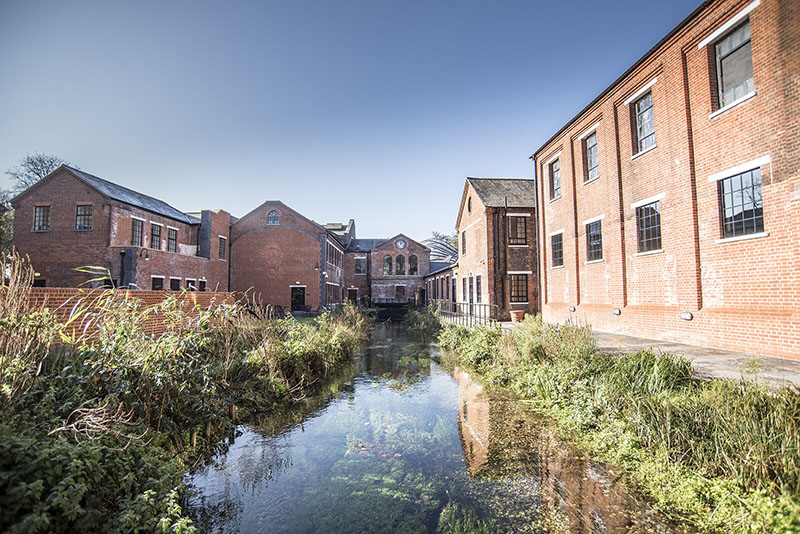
(517, 316)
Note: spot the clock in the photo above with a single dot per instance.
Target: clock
(400, 244)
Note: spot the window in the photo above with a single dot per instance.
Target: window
(463, 290)
(223, 247)
(591, 162)
(478, 288)
(557, 248)
(175, 284)
(741, 209)
(400, 265)
(40, 282)
(453, 294)
(399, 292)
(83, 217)
(469, 205)
(191, 284)
(734, 65)
(387, 264)
(447, 288)
(41, 218)
(555, 180)
(594, 241)
(157, 283)
(273, 218)
(172, 240)
(645, 135)
(519, 288)
(361, 265)
(648, 227)
(517, 231)
(463, 242)
(413, 268)
(155, 236)
(471, 289)
(137, 226)
(201, 285)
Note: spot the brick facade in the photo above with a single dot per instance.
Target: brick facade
(741, 293)
(399, 283)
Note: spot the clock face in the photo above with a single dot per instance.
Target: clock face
(400, 244)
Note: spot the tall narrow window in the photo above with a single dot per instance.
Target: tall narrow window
(464, 289)
(557, 248)
(555, 180)
(136, 232)
(594, 241)
(273, 217)
(741, 208)
(453, 294)
(413, 267)
(172, 240)
(645, 123)
(400, 265)
(83, 217)
(734, 65)
(361, 265)
(387, 264)
(463, 242)
(519, 288)
(478, 288)
(591, 161)
(41, 218)
(223, 247)
(648, 227)
(155, 236)
(517, 231)
(471, 290)
(447, 288)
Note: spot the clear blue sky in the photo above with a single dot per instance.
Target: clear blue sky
(373, 110)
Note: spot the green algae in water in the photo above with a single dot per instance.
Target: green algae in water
(398, 444)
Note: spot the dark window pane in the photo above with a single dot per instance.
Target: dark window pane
(741, 207)
(557, 247)
(172, 240)
(594, 241)
(517, 231)
(519, 288)
(41, 218)
(83, 218)
(157, 284)
(555, 180)
(136, 232)
(648, 224)
(735, 65)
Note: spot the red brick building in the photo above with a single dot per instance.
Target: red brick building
(72, 219)
(670, 205)
(497, 248)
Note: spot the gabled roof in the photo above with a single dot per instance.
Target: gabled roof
(499, 192)
(364, 245)
(404, 236)
(439, 266)
(125, 195)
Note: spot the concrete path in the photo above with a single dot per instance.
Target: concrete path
(707, 362)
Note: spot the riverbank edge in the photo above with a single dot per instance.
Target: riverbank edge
(710, 504)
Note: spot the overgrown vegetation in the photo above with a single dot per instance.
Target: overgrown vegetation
(98, 429)
(424, 323)
(718, 455)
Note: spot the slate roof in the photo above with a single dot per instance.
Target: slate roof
(134, 198)
(493, 192)
(364, 245)
(438, 266)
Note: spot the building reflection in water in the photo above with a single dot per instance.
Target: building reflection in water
(503, 438)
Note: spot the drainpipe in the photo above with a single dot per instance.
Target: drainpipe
(539, 246)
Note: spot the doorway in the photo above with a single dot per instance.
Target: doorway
(352, 295)
(298, 298)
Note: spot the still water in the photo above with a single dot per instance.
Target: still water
(401, 442)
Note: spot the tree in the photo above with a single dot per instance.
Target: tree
(30, 170)
(450, 239)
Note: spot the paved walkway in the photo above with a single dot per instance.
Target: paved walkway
(707, 362)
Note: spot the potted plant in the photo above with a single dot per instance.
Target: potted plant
(517, 315)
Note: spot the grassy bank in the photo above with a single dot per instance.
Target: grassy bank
(716, 455)
(97, 433)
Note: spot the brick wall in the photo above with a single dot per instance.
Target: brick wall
(743, 294)
(62, 301)
(384, 286)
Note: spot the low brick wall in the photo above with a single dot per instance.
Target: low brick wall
(62, 301)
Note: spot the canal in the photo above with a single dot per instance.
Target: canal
(400, 441)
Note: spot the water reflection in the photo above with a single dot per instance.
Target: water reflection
(398, 443)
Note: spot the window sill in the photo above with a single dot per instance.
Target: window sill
(601, 260)
(590, 181)
(649, 252)
(742, 237)
(526, 302)
(40, 231)
(555, 198)
(554, 267)
(733, 104)
(643, 152)
(518, 246)
(361, 274)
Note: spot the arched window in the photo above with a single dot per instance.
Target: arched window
(412, 265)
(469, 204)
(387, 264)
(400, 268)
(273, 217)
